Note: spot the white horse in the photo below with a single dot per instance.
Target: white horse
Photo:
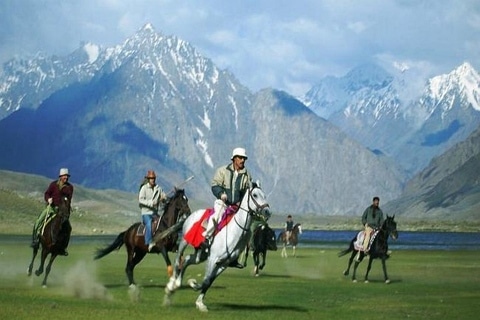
(226, 247)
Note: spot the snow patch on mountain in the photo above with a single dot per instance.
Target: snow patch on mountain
(93, 51)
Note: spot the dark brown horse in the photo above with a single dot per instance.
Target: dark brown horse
(263, 239)
(53, 239)
(378, 249)
(296, 231)
(176, 210)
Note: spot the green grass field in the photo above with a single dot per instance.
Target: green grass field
(425, 285)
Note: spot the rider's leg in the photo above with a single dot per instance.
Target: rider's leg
(147, 221)
(366, 240)
(218, 209)
(38, 225)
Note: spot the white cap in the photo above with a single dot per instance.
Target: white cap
(239, 152)
(63, 172)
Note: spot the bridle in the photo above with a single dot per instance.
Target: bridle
(249, 210)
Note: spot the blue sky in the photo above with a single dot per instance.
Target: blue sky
(287, 45)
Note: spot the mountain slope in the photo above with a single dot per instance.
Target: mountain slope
(156, 103)
(381, 112)
(448, 187)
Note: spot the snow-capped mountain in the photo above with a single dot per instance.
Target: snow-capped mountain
(154, 102)
(371, 106)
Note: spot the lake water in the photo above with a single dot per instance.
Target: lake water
(406, 240)
(331, 239)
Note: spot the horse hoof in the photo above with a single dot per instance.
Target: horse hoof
(387, 281)
(345, 273)
(193, 284)
(201, 306)
(366, 281)
(166, 300)
(354, 280)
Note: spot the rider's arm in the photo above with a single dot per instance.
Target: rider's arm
(218, 183)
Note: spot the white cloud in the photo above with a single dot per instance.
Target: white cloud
(273, 43)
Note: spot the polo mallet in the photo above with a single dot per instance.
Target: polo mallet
(181, 184)
(177, 225)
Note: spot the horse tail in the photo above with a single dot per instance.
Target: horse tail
(100, 253)
(348, 250)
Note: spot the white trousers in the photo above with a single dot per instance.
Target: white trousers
(218, 209)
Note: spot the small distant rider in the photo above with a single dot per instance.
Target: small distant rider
(288, 228)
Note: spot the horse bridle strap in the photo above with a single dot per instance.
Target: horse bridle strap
(259, 207)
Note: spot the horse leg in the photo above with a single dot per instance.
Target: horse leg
(384, 266)
(47, 270)
(284, 251)
(180, 265)
(294, 248)
(212, 273)
(355, 266)
(30, 267)
(350, 261)
(42, 262)
(246, 256)
(264, 256)
(134, 257)
(370, 260)
(256, 261)
(165, 256)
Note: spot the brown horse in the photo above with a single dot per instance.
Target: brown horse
(296, 231)
(176, 210)
(53, 239)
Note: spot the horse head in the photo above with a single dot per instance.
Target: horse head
(64, 208)
(298, 227)
(257, 204)
(176, 207)
(270, 238)
(391, 227)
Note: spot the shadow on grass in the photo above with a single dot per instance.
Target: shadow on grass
(246, 307)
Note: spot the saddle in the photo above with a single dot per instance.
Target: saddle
(194, 236)
(155, 225)
(358, 245)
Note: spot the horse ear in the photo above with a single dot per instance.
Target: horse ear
(256, 184)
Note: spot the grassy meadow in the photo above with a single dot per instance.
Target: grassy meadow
(424, 285)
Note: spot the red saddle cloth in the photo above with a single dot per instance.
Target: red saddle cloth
(194, 236)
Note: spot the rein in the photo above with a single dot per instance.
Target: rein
(250, 212)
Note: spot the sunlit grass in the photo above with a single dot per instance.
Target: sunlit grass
(425, 285)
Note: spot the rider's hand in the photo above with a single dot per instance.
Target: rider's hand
(50, 200)
(223, 197)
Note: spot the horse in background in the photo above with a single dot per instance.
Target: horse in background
(176, 210)
(225, 249)
(263, 239)
(53, 238)
(282, 237)
(378, 248)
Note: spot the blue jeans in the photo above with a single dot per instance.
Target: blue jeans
(147, 221)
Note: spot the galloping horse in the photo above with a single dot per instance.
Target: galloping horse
(227, 245)
(263, 239)
(176, 209)
(296, 231)
(53, 239)
(378, 248)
